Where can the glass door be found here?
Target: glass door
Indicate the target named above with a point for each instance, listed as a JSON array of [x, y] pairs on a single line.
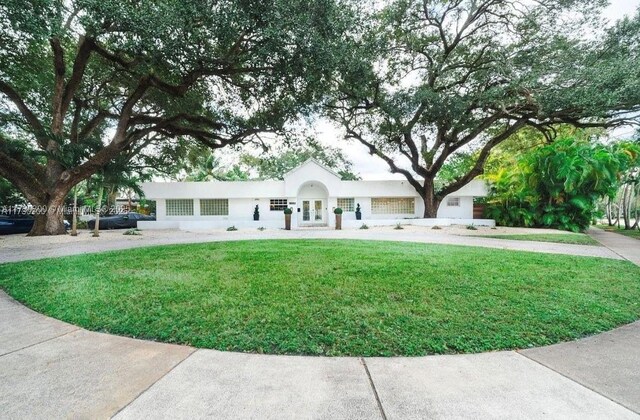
[[318, 211], [306, 216]]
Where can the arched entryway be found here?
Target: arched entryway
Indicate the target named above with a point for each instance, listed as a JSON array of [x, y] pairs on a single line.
[[312, 204]]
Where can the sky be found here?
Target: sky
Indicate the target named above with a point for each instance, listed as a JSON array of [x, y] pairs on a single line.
[[371, 167]]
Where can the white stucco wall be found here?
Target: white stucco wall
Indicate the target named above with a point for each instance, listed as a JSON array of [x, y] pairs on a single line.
[[309, 181]]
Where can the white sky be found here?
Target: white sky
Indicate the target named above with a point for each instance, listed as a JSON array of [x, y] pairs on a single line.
[[371, 167]]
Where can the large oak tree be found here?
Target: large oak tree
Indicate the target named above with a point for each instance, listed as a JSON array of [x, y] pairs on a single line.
[[433, 79], [84, 81]]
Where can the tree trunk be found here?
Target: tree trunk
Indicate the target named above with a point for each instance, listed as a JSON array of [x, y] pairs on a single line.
[[49, 218], [74, 216], [430, 199], [96, 228], [626, 207]]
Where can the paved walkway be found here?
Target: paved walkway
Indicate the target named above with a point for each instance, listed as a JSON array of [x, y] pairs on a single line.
[[36, 248], [50, 369], [627, 248]]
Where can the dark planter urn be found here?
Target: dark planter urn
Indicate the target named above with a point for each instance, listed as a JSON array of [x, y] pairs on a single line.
[[358, 213], [287, 221], [287, 218], [256, 214]]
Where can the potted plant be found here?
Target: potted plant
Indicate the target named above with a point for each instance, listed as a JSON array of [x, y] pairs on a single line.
[[287, 218], [338, 212], [256, 214], [358, 213]]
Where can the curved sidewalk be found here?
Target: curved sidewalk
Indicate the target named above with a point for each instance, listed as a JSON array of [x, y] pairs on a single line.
[[43, 247], [50, 369]]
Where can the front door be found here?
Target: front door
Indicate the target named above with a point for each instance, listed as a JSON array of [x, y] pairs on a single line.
[[313, 211]]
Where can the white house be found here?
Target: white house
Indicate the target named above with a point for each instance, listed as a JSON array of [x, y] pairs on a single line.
[[312, 191]]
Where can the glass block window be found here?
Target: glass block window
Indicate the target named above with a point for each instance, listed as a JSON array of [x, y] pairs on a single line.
[[393, 205], [214, 207], [453, 202], [277, 204], [347, 204], [179, 207]]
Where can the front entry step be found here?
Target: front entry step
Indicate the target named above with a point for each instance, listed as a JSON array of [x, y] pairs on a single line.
[[313, 225]]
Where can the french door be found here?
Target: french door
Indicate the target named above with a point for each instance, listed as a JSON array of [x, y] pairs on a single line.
[[312, 211]]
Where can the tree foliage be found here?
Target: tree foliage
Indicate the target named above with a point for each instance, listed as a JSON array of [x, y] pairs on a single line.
[[83, 81], [558, 185], [436, 81], [275, 164]]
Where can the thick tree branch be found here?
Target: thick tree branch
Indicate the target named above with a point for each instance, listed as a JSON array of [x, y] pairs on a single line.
[[373, 150], [29, 116], [85, 46], [58, 88], [478, 167]]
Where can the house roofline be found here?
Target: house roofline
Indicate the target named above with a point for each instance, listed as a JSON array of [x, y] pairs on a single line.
[[332, 172]]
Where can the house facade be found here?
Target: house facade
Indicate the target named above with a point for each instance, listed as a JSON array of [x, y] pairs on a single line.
[[312, 191]]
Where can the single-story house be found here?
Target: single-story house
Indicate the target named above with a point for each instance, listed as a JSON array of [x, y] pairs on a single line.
[[312, 191]]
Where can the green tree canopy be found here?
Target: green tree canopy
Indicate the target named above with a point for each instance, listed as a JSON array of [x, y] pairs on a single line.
[[432, 80], [82, 81]]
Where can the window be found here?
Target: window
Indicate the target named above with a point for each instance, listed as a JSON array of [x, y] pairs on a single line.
[[347, 204], [393, 205], [453, 202], [179, 207], [214, 207], [277, 204]]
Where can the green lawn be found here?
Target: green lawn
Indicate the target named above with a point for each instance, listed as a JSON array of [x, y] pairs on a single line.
[[562, 238], [333, 297], [635, 233]]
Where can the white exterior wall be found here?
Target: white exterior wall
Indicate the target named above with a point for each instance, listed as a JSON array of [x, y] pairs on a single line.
[[309, 181], [464, 211]]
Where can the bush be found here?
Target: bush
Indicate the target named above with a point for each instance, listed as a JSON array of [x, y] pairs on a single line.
[[337, 210], [261, 228], [231, 228], [398, 226], [364, 226], [436, 227], [288, 210], [133, 231], [558, 185], [471, 227]]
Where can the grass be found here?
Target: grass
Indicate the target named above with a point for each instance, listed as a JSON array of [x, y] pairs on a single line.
[[561, 238], [635, 233], [324, 297]]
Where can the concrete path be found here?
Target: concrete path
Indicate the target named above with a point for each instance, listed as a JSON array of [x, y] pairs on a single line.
[[627, 248], [49, 369], [36, 248]]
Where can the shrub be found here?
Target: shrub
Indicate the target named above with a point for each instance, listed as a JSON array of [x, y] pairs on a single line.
[[261, 228], [471, 227], [557, 185], [337, 210], [436, 227], [288, 210], [364, 226], [398, 226], [231, 228], [132, 231]]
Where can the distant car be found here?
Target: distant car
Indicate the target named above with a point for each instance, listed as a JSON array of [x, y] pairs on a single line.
[[11, 224], [120, 221]]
